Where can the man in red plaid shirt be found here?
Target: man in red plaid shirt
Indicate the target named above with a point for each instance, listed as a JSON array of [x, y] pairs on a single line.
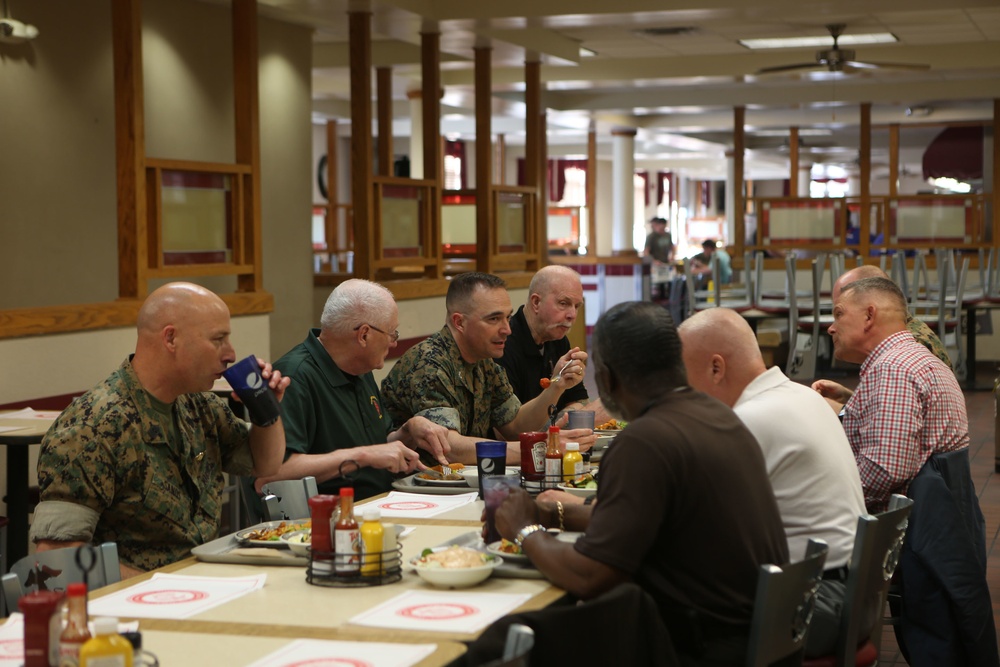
[[908, 404]]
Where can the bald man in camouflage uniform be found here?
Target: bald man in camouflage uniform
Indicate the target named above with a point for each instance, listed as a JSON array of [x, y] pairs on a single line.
[[138, 460]]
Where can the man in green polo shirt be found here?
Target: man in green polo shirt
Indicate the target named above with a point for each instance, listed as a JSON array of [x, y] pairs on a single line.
[[334, 420]]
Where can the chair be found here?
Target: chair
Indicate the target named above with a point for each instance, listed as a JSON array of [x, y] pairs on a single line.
[[578, 633], [520, 641], [738, 298], [55, 569], [288, 498], [877, 548], [941, 307], [804, 334], [783, 607]]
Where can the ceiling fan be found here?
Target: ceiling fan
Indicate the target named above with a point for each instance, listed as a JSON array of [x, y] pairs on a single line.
[[836, 59]]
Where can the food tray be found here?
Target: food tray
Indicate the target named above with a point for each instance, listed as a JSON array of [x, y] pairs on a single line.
[[227, 549], [320, 570], [409, 485]]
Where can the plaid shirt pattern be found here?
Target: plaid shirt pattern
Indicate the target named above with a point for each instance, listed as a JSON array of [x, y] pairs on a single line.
[[907, 407]]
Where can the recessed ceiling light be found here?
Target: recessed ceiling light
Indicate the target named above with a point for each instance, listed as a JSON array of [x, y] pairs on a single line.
[[587, 53], [825, 40]]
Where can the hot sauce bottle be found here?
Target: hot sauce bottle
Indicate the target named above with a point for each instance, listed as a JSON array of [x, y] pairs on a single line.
[[553, 460], [347, 537]]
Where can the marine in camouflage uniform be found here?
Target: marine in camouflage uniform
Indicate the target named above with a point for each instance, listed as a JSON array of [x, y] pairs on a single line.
[[115, 467], [923, 335], [433, 381]]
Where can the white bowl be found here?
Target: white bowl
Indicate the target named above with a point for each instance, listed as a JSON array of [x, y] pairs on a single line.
[[456, 577], [582, 493], [298, 541]]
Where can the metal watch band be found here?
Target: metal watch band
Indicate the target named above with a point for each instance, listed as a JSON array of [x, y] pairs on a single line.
[[523, 534]]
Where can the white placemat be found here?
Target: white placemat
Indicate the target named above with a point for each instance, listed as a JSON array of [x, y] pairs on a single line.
[[174, 596], [441, 611], [327, 652], [417, 505], [12, 641], [28, 413]]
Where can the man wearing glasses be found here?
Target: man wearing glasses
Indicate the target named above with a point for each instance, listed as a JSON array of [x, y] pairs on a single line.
[[335, 422]]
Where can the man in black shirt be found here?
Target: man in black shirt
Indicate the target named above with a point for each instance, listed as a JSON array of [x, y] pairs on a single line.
[[538, 338]]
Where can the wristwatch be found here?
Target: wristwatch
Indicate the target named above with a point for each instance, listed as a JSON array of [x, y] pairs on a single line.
[[523, 534]]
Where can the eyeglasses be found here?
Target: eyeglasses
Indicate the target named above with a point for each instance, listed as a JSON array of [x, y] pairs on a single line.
[[394, 336]]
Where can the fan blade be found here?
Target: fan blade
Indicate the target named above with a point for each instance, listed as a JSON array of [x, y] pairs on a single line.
[[790, 68], [857, 64]]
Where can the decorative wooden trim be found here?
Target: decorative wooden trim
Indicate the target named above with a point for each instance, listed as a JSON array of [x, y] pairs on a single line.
[[359, 24], [793, 161], [194, 165], [49, 320], [591, 191], [383, 79], [486, 226], [865, 165], [893, 159], [246, 64], [130, 146]]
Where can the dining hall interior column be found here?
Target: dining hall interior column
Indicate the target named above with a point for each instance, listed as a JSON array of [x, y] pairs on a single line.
[[416, 133], [359, 23], [486, 233], [534, 148], [735, 227], [623, 191]]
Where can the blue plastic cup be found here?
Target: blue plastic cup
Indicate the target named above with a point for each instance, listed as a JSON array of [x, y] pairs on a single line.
[[245, 379], [491, 460]]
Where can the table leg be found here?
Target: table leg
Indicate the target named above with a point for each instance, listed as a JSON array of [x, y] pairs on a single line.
[[17, 503], [970, 348]]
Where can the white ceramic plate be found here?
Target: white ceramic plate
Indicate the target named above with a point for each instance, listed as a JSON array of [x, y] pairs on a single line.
[[243, 538], [417, 479], [494, 548], [582, 493]]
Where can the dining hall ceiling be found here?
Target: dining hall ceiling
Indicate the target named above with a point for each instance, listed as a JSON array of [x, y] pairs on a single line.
[[674, 70]]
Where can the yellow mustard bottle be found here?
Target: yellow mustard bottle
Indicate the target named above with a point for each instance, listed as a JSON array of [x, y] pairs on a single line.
[[572, 462], [372, 542], [107, 648]]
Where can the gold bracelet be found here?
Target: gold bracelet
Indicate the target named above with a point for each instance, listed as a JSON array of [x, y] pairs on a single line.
[[562, 515]]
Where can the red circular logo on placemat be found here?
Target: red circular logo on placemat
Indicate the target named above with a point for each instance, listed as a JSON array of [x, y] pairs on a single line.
[[167, 597], [440, 611], [330, 662], [409, 505], [13, 648]]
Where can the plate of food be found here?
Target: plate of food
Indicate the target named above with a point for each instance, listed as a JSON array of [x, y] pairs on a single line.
[[610, 427], [268, 534], [583, 485], [508, 551], [454, 566], [442, 476]]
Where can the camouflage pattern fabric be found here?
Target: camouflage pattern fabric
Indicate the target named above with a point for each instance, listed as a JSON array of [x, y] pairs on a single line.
[[923, 335], [109, 451], [432, 380]]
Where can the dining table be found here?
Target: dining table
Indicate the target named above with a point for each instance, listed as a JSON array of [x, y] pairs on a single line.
[[19, 430], [287, 607]]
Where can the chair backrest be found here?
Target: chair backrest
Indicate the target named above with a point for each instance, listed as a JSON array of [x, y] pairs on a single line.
[[55, 569], [783, 606], [877, 548], [517, 648], [288, 498]]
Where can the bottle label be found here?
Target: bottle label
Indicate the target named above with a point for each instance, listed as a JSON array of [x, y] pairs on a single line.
[[106, 661], [538, 455], [347, 547], [553, 472], [69, 654]]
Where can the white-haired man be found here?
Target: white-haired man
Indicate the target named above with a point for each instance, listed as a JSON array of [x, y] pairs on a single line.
[[334, 417]]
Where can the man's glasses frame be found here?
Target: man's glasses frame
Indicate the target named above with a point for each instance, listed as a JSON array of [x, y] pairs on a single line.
[[394, 336]]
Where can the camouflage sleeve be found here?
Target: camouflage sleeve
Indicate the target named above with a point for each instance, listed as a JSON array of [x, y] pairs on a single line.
[[233, 436], [63, 522], [76, 462], [504, 404], [432, 395]]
